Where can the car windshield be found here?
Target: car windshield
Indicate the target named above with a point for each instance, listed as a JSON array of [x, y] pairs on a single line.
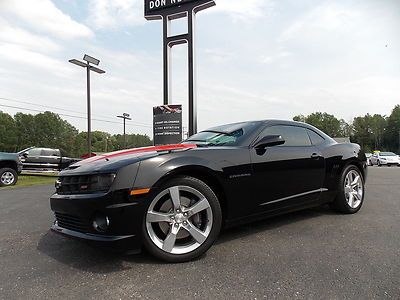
[[24, 150], [387, 154], [227, 135]]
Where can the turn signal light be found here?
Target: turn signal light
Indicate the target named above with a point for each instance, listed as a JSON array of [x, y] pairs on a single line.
[[139, 192]]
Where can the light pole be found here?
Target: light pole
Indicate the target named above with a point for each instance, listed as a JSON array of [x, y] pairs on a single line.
[[125, 116], [89, 60]]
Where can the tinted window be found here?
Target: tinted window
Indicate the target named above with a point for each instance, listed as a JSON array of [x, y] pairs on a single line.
[[49, 152], [316, 139], [34, 152], [227, 135], [293, 135]]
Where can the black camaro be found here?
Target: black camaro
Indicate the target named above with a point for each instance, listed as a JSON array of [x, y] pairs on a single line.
[[174, 199]]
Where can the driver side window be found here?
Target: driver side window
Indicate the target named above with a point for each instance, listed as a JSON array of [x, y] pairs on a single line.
[[294, 136]]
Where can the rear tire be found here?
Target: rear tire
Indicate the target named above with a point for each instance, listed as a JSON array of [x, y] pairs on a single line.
[[182, 220], [8, 177], [351, 189]]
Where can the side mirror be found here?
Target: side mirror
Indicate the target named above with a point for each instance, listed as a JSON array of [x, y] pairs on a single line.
[[25, 154], [269, 141]]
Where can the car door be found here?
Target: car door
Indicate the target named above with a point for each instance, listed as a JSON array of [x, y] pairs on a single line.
[[50, 158], [32, 160], [287, 175]]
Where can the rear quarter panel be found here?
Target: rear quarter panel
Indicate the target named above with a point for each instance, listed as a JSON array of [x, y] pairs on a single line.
[[337, 157]]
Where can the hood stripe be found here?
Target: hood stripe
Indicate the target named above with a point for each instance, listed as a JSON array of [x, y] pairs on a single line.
[[141, 150]]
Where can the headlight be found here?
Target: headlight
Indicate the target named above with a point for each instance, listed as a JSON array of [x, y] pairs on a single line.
[[100, 182], [84, 183], [382, 158]]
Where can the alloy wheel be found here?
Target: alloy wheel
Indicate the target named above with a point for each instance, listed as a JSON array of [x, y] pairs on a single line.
[[7, 178], [353, 189], [179, 220]]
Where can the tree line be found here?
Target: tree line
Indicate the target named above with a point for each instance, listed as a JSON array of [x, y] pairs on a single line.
[[372, 132], [50, 131]]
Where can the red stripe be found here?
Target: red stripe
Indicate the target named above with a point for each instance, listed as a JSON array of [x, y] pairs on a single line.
[[141, 150]]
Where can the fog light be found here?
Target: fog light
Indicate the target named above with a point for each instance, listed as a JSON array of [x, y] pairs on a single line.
[[101, 223]]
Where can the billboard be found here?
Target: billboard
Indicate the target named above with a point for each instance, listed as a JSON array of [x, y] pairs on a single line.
[[167, 124]]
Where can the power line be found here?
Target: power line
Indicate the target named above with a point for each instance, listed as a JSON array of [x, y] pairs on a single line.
[[68, 110], [72, 116]]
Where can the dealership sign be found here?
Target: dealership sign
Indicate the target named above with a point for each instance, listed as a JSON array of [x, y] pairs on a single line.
[[167, 124], [156, 9], [168, 10]]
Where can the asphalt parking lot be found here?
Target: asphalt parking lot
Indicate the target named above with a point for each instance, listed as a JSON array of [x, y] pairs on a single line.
[[313, 254]]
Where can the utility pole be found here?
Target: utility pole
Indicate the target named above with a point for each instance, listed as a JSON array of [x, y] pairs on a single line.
[[125, 116], [89, 60]]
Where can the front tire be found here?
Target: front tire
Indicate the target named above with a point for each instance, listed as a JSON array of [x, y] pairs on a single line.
[[8, 177], [182, 221], [350, 191]]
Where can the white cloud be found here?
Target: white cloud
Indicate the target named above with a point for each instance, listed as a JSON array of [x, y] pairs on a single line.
[[243, 10], [111, 14], [270, 59], [18, 36], [44, 16], [323, 20]]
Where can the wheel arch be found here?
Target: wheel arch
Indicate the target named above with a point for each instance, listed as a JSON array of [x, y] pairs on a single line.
[[9, 164], [355, 162], [204, 174]]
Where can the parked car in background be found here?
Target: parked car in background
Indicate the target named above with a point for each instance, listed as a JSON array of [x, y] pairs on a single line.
[[44, 159], [385, 158], [10, 167], [368, 156]]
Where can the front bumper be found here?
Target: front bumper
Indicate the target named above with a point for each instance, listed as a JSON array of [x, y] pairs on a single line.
[[75, 215]]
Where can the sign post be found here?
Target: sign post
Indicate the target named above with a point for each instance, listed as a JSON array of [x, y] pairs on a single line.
[[168, 10]]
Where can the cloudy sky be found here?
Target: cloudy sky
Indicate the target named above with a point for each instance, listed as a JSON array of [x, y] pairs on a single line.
[[257, 59]]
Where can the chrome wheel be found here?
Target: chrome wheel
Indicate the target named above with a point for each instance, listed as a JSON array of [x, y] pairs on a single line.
[[179, 220], [353, 189], [7, 178]]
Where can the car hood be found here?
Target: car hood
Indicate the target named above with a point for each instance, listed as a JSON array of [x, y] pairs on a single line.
[[113, 161], [11, 156]]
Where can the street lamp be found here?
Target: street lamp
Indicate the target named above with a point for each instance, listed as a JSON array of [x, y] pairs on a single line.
[[125, 116], [89, 60]]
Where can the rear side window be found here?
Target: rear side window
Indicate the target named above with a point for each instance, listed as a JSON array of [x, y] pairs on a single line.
[[315, 138], [48, 152], [293, 135]]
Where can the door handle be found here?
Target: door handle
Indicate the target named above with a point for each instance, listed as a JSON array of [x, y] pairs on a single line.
[[315, 155]]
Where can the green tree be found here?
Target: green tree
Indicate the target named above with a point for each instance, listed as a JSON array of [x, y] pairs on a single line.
[[325, 122], [53, 132], [26, 135], [392, 134], [132, 141], [8, 133]]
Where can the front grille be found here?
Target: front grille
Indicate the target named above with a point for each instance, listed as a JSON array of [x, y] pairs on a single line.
[[73, 184], [72, 222]]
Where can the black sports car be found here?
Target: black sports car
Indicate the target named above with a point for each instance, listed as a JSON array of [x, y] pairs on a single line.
[[174, 199]]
